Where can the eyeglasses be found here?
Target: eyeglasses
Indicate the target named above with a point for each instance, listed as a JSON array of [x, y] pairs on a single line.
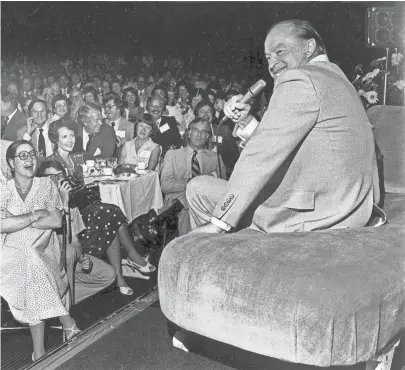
[[110, 106], [24, 155], [56, 177], [62, 105]]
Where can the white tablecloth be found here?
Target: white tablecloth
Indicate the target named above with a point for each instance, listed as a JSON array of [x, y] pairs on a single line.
[[135, 197]]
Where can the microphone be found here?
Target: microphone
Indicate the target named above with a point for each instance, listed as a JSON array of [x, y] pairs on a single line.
[[253, 91]]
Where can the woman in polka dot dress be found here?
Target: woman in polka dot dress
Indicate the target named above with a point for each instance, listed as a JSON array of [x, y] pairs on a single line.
[[32, 278], [106, 226]]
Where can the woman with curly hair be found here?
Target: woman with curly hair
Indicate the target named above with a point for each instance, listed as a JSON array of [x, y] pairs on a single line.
[[133, 111]]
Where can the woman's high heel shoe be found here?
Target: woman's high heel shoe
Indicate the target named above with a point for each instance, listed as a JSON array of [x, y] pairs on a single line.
[[126, 290], [147, 269], [71, 332]]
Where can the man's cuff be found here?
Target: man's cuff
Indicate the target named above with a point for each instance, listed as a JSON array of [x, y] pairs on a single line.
[[220, 224], [27, 136], [245, 133]]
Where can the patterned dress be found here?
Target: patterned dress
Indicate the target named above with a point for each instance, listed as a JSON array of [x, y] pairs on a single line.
[[32, 278], [102, 220]]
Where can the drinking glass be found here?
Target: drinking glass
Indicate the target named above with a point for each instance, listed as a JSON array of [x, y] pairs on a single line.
[[112, 162]]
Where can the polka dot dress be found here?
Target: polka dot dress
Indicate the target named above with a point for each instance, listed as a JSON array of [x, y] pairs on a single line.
[[32, 278], [102, 223]]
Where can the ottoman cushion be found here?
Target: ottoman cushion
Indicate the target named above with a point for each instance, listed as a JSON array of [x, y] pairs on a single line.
[[323, 298]]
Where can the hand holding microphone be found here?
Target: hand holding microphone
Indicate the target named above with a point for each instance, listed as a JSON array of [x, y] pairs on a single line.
[[237, 108]]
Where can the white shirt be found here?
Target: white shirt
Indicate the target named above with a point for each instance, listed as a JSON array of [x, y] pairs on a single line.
[[86, 138], [11, 116], [48, 144]]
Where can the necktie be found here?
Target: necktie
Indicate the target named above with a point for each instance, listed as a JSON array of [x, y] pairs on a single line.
[[113, 124], [88, 143], [41, 142], [195, 165], [3, 126]]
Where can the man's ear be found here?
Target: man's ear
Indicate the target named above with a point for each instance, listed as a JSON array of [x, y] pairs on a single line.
[[311, 47]]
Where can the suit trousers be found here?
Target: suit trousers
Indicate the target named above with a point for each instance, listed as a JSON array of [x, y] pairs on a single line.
[[203, 193], [84, 285]]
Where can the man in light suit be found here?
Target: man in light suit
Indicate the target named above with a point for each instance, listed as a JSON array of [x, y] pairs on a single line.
[[11, 118], [177, 169], [310, 164]]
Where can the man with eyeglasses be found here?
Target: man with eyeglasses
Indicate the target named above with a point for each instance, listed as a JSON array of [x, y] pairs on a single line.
[[36, 128], [123, 129], [11, 118], [181, 165], [168, 134]]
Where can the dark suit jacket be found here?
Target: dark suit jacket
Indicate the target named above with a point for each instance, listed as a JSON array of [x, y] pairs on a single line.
[[18, 121], [105, 140], [170, 137]]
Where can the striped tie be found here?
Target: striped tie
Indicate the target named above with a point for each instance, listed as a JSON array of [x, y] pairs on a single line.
[[195, 166]]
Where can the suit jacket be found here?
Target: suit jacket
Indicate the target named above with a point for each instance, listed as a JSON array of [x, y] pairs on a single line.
[[170, 137], [128, 127], [18, 121], [105, 141], [176, 171], [310, 164]]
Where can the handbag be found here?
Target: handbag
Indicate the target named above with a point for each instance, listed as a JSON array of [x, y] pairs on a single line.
[[82, 196]]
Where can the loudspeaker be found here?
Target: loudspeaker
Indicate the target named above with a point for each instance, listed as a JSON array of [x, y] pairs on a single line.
[[384, 27]]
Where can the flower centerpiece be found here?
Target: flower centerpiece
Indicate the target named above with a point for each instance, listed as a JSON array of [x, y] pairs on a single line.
[[370, 85]]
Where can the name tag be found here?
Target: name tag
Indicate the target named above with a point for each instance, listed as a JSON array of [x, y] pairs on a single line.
[[214, 139], [164, 128], [120, 133]]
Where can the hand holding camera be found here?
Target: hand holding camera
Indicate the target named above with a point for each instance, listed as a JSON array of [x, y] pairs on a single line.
[[64, 187]]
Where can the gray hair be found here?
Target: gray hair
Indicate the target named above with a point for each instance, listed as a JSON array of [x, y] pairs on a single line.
[[304, 30]]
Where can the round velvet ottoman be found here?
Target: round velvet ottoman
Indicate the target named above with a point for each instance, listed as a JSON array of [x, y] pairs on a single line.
[[319, 298]]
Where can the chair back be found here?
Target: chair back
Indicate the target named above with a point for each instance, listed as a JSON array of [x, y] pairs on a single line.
[[389, 130]]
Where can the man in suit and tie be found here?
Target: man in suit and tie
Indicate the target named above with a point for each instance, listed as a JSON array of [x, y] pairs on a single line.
[[11, 118], [168, 134], [142, 93], [94, 138], [123, 128], [27, 92], [37, 127], [310, 164], [64, 86], [181, 165]]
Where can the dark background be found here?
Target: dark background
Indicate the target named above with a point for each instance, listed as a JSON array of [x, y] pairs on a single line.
[[214, 33]]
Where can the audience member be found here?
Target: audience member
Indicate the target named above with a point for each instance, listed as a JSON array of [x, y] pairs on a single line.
[[221, 139], [94, 138], [106, 226], [168, 135], [36, 128], [142, 148], [133, 111], [181, 165], [32, 282], [12, 119], [87, 274], [60, 107]]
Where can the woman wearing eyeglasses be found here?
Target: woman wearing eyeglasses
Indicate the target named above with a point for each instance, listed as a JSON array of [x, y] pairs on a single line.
[[32, 279], [60, 107], [106, 226]]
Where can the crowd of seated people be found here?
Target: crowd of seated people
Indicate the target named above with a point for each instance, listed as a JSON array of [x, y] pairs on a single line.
[[164, 117]]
